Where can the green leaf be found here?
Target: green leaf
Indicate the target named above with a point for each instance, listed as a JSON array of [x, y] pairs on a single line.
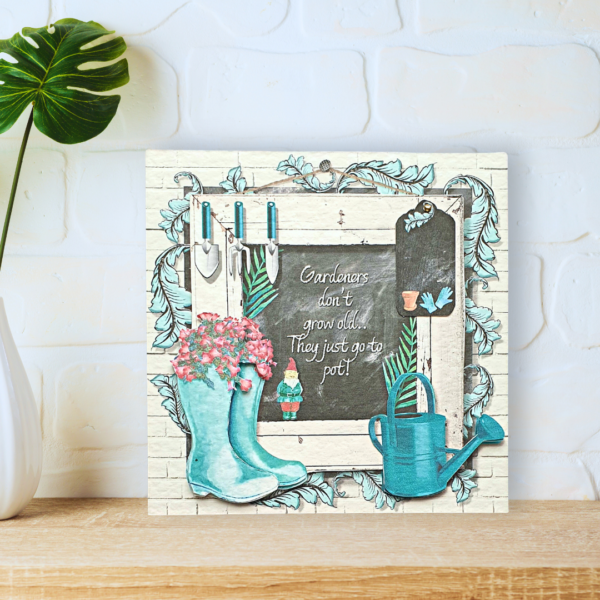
[[258, 292], [405, 404], [260, 297], [403, 361], [257, 310], [52, 78]]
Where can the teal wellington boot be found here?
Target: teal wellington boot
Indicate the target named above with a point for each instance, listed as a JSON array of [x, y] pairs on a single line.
[[212, 466], [242, 433]]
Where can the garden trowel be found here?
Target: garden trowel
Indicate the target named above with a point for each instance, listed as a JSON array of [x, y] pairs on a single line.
[[237, 248], [272, 254], [206, 255]]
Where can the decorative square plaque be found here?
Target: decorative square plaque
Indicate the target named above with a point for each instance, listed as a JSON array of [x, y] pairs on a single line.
[[327, 332]]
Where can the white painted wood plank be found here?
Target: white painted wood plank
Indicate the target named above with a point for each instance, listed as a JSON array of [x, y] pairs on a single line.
[[325, 452], [424, 362], [447, 351], [313, 212], [298, 227], [302, 428]]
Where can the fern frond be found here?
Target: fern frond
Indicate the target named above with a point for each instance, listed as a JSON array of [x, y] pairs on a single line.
[[257, 291]]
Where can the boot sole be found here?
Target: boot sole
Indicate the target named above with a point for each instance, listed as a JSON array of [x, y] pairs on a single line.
[[204, 491], [289, 486]]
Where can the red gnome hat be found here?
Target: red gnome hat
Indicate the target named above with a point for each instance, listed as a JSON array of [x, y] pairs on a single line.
[[292, 365]]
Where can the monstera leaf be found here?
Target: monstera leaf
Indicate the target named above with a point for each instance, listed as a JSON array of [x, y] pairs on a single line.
[[53, 75]]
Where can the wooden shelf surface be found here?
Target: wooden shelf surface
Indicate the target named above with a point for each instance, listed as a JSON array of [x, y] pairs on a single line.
[[72, 548]]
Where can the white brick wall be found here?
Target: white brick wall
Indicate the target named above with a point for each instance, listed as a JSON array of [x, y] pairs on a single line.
[[383, 76]]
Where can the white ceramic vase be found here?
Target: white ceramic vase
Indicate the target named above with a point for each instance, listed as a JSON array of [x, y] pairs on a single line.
[[20, 429]]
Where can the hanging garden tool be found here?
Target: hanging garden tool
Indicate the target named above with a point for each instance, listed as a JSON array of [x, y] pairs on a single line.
[[206, 255], [272, 248], [237, 247]]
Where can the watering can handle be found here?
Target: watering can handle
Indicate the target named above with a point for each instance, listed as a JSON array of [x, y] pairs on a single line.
[[391, 404], [372, 433]]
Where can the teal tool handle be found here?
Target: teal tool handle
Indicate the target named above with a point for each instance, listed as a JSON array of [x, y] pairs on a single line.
[[271, 221], [206, 224], [372, 433], [239, 220], [391, 403]]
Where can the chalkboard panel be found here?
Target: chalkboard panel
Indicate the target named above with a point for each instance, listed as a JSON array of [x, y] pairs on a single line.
[[425, 262], [336, 316]]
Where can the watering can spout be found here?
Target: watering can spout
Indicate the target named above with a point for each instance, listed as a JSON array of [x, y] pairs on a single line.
[[487, 431]]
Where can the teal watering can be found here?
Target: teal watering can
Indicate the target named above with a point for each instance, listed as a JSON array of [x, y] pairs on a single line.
[[414, 445]]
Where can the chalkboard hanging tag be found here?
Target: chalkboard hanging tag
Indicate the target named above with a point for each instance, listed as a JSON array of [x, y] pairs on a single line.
[[238, 249], [425, 262], [272, 249]]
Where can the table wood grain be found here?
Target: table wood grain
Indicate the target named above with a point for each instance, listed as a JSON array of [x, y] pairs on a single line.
[[110, 548]]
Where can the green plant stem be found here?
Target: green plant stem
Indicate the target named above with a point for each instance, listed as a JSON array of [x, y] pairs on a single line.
[[13, 191]]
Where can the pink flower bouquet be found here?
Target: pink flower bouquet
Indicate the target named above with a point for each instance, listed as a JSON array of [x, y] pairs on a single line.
[[223, 344]]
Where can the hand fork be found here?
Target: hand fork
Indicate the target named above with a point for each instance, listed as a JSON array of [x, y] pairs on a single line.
[[238, 248]]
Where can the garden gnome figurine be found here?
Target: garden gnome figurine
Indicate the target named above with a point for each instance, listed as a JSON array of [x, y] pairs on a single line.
[[289, 392]]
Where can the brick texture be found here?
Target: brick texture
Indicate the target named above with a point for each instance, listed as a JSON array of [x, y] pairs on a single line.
[[525, 16], [351, 19], [39, 211], [471, 93], [241, 82]]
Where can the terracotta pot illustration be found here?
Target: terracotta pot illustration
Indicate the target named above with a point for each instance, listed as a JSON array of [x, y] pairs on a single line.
[[410, 300]]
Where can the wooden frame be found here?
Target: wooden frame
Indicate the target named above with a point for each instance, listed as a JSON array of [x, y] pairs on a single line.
[[342, 220]]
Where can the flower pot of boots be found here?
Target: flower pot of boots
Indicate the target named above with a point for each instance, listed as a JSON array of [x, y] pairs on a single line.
[[242, 433], [213, 466]]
